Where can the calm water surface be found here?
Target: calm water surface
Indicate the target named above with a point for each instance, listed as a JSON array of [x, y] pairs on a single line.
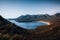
[[29, 25]]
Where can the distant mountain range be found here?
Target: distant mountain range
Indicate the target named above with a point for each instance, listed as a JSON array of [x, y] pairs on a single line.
[[31, 18], [10, 31]]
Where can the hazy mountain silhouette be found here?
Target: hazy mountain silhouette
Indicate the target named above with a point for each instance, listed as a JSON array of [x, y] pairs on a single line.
[[31, 18]]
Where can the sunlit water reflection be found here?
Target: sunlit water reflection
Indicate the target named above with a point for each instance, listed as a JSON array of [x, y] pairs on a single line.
[[29, 25]]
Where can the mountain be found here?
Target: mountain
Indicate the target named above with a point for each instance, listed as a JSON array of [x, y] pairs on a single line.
[[10, 31], [49, 32], [57, 14], [31, 18]]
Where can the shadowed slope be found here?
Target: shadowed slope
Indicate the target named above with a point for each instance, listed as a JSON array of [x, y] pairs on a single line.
[[9, 30]]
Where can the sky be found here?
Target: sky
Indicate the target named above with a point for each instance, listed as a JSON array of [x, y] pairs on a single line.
[[16, 8]]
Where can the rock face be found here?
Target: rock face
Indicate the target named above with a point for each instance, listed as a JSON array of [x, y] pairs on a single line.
[[10, 31]]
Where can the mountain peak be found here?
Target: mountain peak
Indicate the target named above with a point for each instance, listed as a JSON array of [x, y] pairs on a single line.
[[3, 20], [1, 17], [57, 14]]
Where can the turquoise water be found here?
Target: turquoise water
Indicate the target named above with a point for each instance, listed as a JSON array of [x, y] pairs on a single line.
[[28, 25]]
